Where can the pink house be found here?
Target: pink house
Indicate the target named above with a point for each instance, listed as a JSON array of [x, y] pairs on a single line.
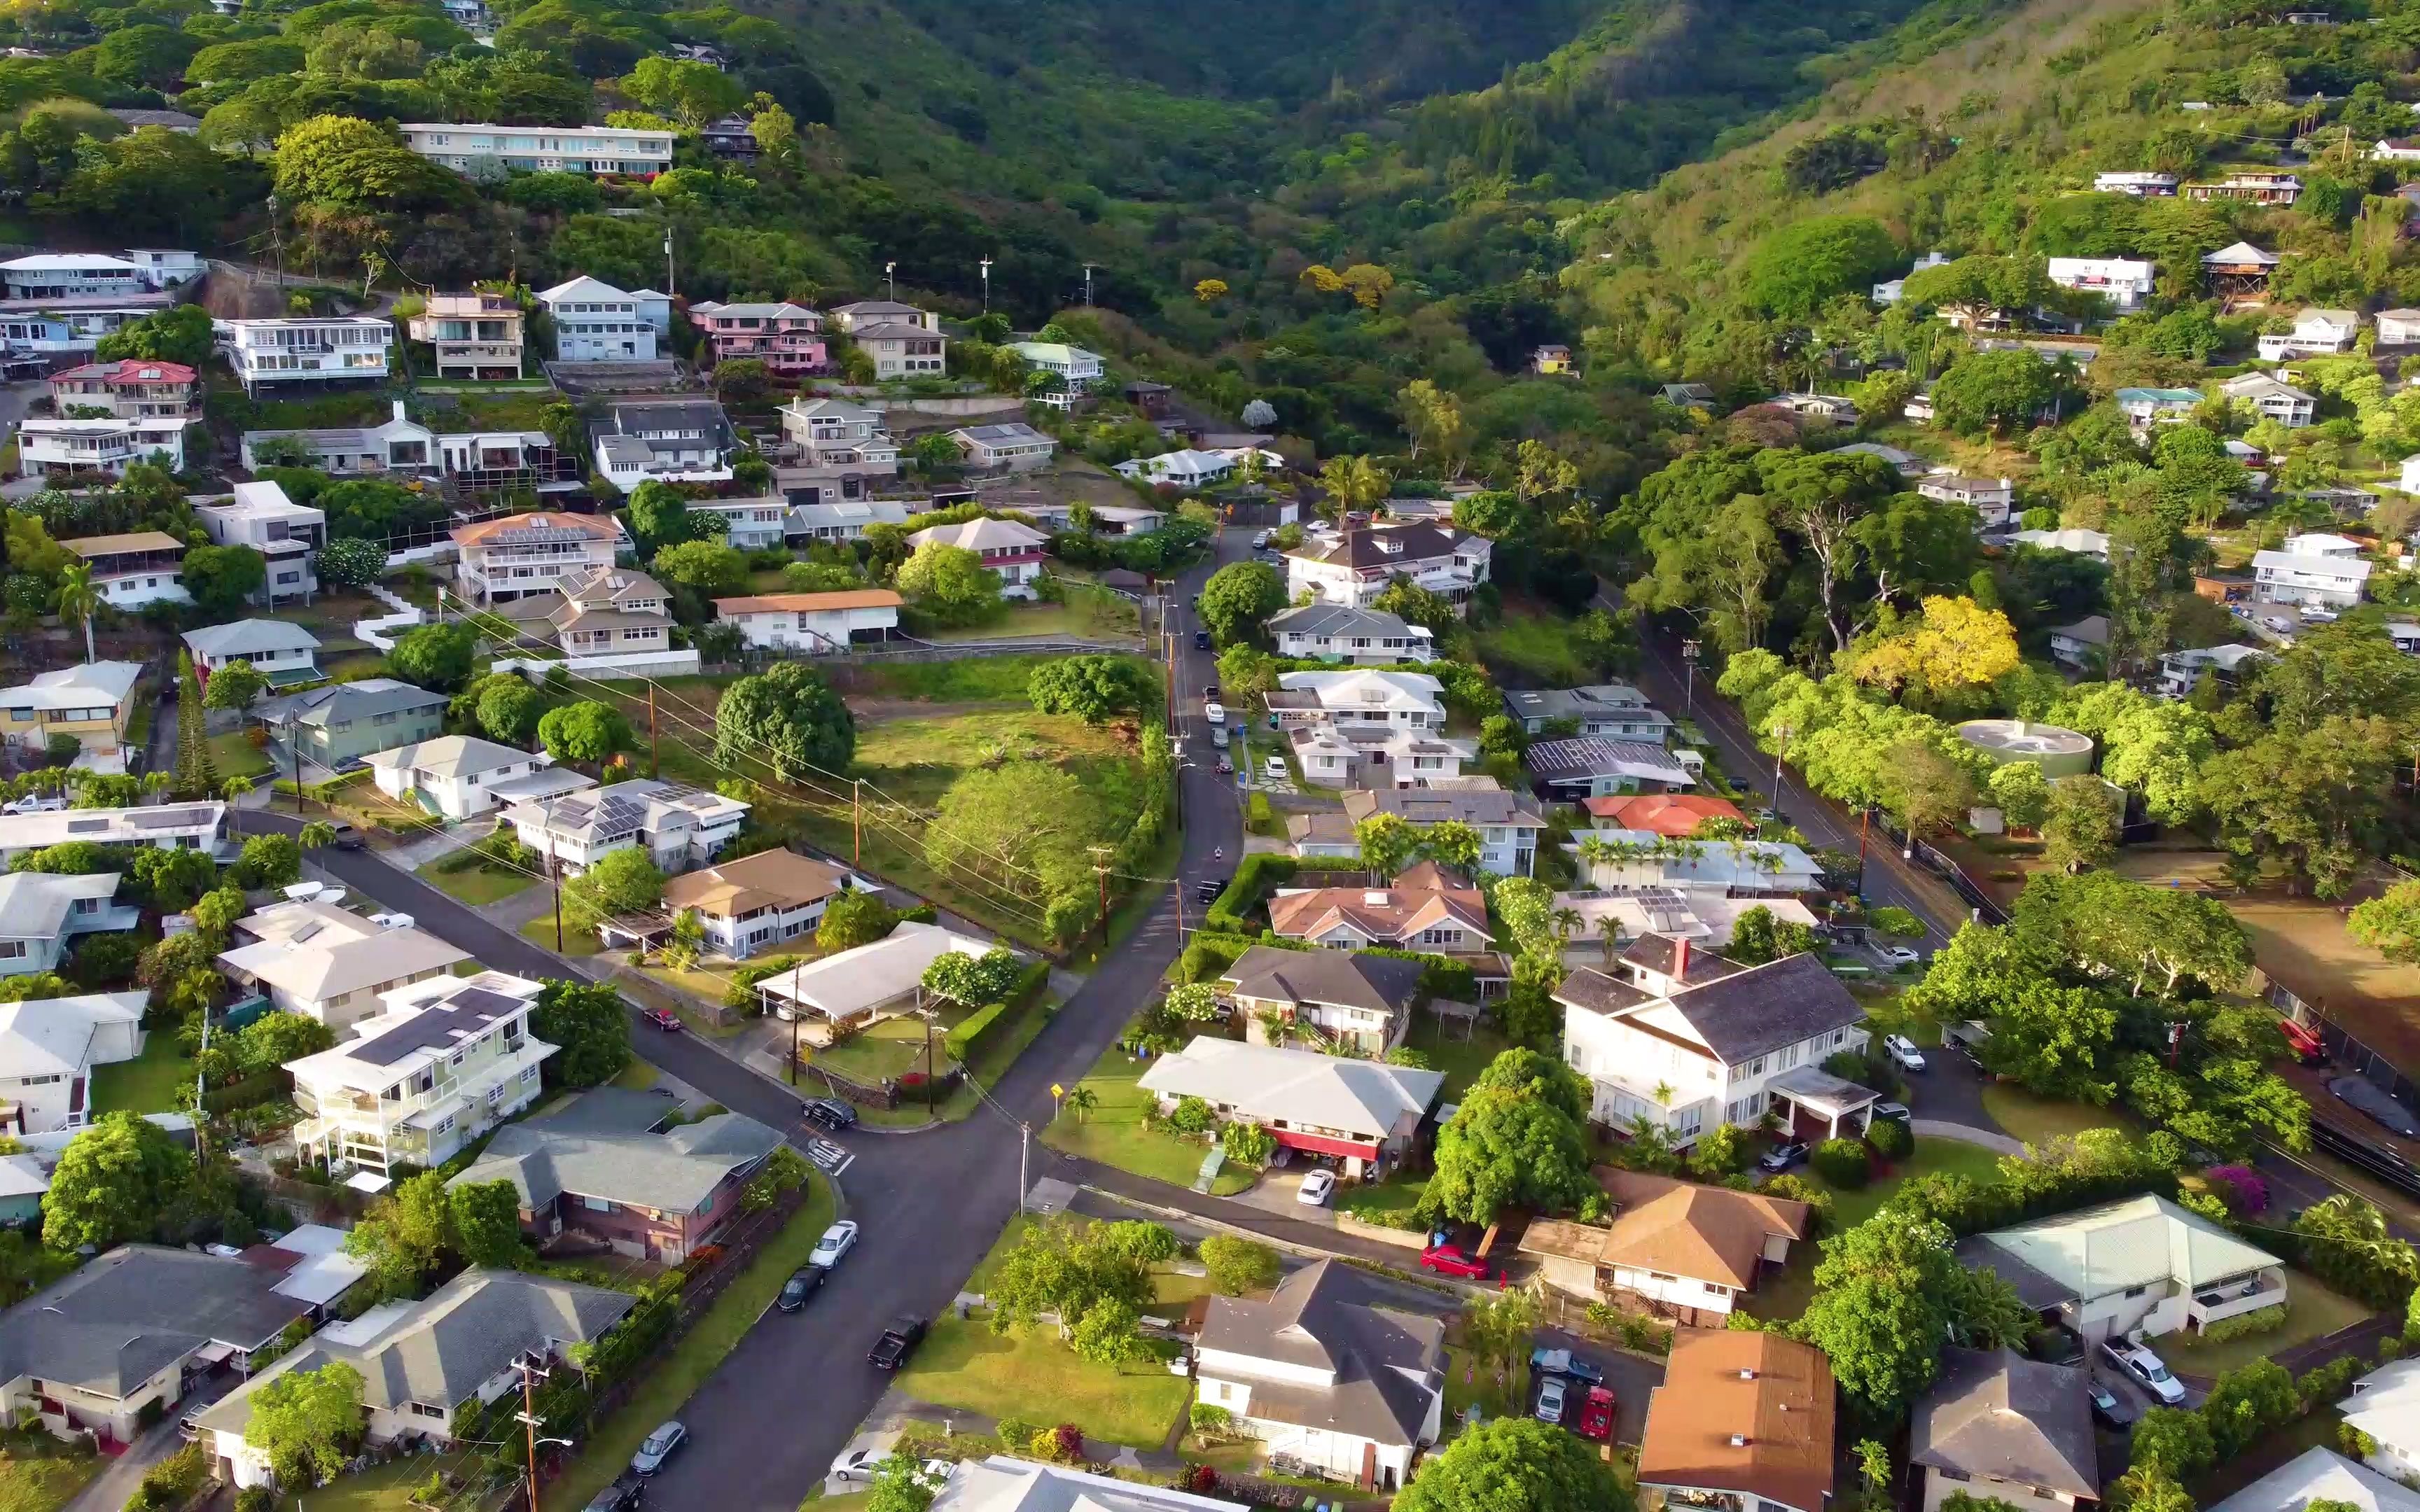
[[787, 338]]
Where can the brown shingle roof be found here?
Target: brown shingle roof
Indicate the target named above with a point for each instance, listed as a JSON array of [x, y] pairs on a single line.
[[592, 526], [1396, 913], [766, 879], [1741, 1411], [1705, 1233]]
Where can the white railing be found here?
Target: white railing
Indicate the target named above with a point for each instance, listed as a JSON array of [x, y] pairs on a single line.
[[624, 664]]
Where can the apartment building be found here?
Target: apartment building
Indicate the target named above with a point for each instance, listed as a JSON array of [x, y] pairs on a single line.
[[596, 322], [89, 704], [519, 555], [787, 338], [130, 389], [590, 149], [277, 353], [814, 623], [476, 336], [285, 533], [667, 441], [134, 569], [328, 965]]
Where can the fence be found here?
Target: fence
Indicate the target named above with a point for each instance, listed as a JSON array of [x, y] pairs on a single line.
[[1987, 908], [627, 664]]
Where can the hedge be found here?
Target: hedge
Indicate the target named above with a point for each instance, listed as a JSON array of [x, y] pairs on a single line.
[[248, 1091], [1209, 956], [741, 991], [980, 1028], [1257, 876]]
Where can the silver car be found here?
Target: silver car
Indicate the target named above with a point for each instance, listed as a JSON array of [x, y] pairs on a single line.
[[658, 1448]]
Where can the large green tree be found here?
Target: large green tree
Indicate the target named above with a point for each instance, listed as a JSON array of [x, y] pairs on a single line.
[[115, 1182], [1881, 1311], [1096, 689], [786, 719], [949, 582], [1239, 598], [1508, 1147], [1513, 1464], [308, 1423], [435, 656], [586, 1020]]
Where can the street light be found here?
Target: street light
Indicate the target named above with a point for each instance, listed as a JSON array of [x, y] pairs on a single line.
[[986, 266]]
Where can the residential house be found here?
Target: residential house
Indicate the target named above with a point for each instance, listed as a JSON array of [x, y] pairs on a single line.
[[1360, 1003], [1012, 550], [1991, 498], [605, 611], [1364, 1114], [280, 650], [2146, 407], [448, 1059], [117, 1344], [815, 623], [901, 340], [749, 524], [1426, 908], [2126, 283], [42, 914], [1907, 464], [1126, 519], [50, 447], [2001, 1426], [338, 723], [2393, 150], [284, 533], [476, 336], [462, 145], [1550, 360], [461, 777], [1690, 396], [2082, 543], [603, 1166], [134, 569], [1895, 289], [1354, 636], [884, 978], [48, 1046], [2406, 636], [2082, 646], [1681, 1249], [76, 275], [1355, 566], [2385, 1408], [1664, 815], [288, 349], [1325, 1372], [1187, 467], [1590, 766], [1076, 368], [2140, 185], [2180, 670], [1339, 756], [1613, 711], [664, 440], [787, 338], [2255, 186], [1624, 859], [395, 444], [733, 136], [2398, 328], [596, 322], [517, 555], [2275, 400], [1382, 725], [2317, 568], [132, 388], [755, 902], [1606, 922], [1507, 825], [90, 703], [839, 519], [835, 452], [1829, 408], [2315, 333], [185, 827], [1014, 446], [1689, 1042], [1743, 1422], [421, 1362], [44, 327], [677, 826], [2141, 1266], [313, 958], [2321, 1475], [1004, 1484]]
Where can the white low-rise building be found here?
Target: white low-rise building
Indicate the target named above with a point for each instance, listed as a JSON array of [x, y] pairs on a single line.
[[2146, 407], [2140, 185], [58, 449], [461, 777], [851, 988], [1893, 290], [48, 1048], [1690, 1250], [465, 146], [814, 623], [43, 914], [1355, 566], [287, 533], [184, 827], [134, 569], [2319, 569], [1351, 636], [397, 445], [753, 904], [328, 965], [2398, 328], [2385, 1406], [2180, 670], [1006, 1484], [279, 650], [1359, 1112], [1617, 859], [664, 440], [2126, 283], [1016, 446], [2315, 333], [1991, 498], [306, 350], [2140, 1266], [2081, 543], [680, 828], [1508, 823], [2273, 398], [1611, 711], [596, 322]]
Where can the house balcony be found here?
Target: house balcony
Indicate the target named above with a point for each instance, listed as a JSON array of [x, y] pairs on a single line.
[[2233, 1299], [103, 920], [483, 352], [1688, 1499]]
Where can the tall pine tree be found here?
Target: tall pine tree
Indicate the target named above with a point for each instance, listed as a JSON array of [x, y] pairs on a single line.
[[197, 776]]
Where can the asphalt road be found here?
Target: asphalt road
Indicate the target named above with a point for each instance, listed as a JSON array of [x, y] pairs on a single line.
[[786, 1402]]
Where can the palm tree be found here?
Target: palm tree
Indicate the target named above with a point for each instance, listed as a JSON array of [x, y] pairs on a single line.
[[1080, 1101], [77, 601], [316, 834], [233, 788], [1609, 930], [157, 782], [1354, 483], [1567, 922]]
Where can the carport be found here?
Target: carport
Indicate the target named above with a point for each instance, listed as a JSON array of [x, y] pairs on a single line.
[[1823, 1105]]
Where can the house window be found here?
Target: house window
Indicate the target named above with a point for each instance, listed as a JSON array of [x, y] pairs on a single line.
[[596, 1204]]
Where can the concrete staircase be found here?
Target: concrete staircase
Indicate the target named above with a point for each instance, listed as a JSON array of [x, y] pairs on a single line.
[[380, 632]]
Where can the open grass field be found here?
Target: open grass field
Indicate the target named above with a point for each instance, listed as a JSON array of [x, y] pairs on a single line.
[[2039, 1121], [477, 885], [43, 1482], [1112, 1131], [234, 756], [1532, 649], [540, 931], [1087, 614], [1786, 1295], [1461, 1059], [146, 1084]]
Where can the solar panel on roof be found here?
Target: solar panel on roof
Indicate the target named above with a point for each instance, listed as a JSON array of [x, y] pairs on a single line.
[[87, 826], [166, 818], [307, 932]]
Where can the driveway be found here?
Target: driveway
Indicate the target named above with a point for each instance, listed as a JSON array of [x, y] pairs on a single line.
[[1629, 1377]]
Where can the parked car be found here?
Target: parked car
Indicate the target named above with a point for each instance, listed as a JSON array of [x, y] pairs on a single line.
[[1451, 1259], [1215, 715], [2136, 1360], [2371, 1100], [1896, 1112], [1274, 768], [662, 1018], [857, 1464], [1781, 1157], [1550, 1399], [838, 1241], [1901, 955], [624, 1495], [1209, 692], [657, 1448], [1547, 1362], [1201, 640], [1225, 766], [1596, 1415], [803, 1283], [1316, 1185], [34, 803], [1903, 1052], [2110, 1408], [1261, 541], [828, 1113], [348, 837], [897, 1342]]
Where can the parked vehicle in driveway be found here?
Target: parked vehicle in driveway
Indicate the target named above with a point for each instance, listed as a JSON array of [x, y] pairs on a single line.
[[349, 837], [2138, 1361], [1903, 1052], [2111, 1410], [1550, 1399], [897, 1342], [1781, 1157], [1546, 1361], [658, 1447], [1316, 1185], [838, 1241], [856, 1464], [1896, 1112], [1451, 1259], [1274, 768], [1901, 955], [1596, 1415]]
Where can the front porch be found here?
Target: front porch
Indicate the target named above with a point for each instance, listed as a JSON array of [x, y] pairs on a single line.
[[2235, 1297], [1815, 1104]]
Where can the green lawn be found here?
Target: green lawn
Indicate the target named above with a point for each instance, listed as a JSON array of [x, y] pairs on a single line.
[[1535, 648], [1465, 1383], [893, 1047], [1786, 1295], [1030, 1374], [2312, 1312], [2039, 1121], [540, 931], [43, 1482], [988, 1068], [148, 1083], [679, 1371], [1112, 1131], [477, 885], [1089, 614], [638, 1076], [234, 756], [1461, 1059], [381, 1488], [138, 719]]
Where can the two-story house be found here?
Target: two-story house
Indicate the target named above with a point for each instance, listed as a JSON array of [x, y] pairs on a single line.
[[787, 338], [814, 623], [132, 388], [2273, 398], [757, 524], [1508, 823], [41, 917], [2141, 1266], [1688, 1042], [49, 1047], [134, 569], [1686, 1250], [2329, 571], [833, 452], [901, 340], [2315, 333], [677, 826], [184, 827], [1353, 636], [461, 777], [604, 1166], [1354, 568], [1014, 446], [2126, 283], [517, 555], [836, 519], [290, 349], [2147, 408], [69, 327], [2140, 185], [666, 440], [1015, 551], [1991, 498], [279, 650], [609, 611], [331, 965], [1358, 1003], [596, 322], [1424, 908], [90, 703], [447, 1059], [1327, 1372], [1366, 728], [1077, 369], [2179, 671], [1624, 859], [395, 444], [61, 449], [635, 152], [340, 722], [755, 903], [72, 275], [1743, 1422], [1594, 767], [476, 336], [2014, 1431], [1609, 711], [285, 533]]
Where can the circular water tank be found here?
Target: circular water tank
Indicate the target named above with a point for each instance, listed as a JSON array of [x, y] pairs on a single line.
[[2059, 752]]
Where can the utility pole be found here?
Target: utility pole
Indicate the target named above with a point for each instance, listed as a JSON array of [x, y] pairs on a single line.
[[856, 831], [1864, 828], [655, 746], [529, 1419], [672, 285], [985, 265], [927, 1017], [1782, 733], [276, 242], [891, 279], [796, 1017], [294, 743], [1689, 695], [554, 876], [1088, 285], [2176, 1040], [1024, 1139], [1101, 871]]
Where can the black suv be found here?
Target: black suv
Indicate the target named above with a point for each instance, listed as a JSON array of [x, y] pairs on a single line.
[[828, 1113]]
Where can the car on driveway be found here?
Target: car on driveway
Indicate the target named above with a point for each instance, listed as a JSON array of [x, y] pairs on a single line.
[[1550, 1399], [662, 1018], [828, 1113], [1452, 1259], [838, 1241], [1903, 1052], [1316, 1185], [1596, 1415], [2111, 1409], [1546, 1361], [1781, 1157], [1901, 955], [1274, 768], [2149, 1369], [857, 1464], [1896, 1112], [804, 1281], [658, 1447]]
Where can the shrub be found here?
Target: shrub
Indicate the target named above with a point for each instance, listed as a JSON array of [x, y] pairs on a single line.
[[1200, 1479], [1843, 1163], [2242, 1188], [1248, 1144], [1899, 921], [1044, 1445], [1016, 1430], [2242, 1324], [1892, 1139], [255, 1499], [1070, 1440], [1235, 1266], [1209, 956], [1191, 1116], [1211, 1421]]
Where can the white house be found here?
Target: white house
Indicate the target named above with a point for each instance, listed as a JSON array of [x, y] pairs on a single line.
[[755, 903], [815, 623], [2318, 568], [1688, 1251], [1367, 729], [2140, 185], [446, 1059], [513, 556], [664, 440], [1891, 292], [464, 145], [1615, 711], [89, 702], [1354, 568], [1076, 368], [1352, 636], [42, 914], [2180, 670], [2316, 1475], [596, 322], [2274, 399], [850, 989], [1325, 1372], [1010, 549], [1340, 756], [48, 1047], [2146, 407], [2398, 328], [677, 826], [317, 960], [459, 777], [134, 569], [395, 444], [1357, 1111], [1345, 1001], [184, 827], [1185, 468], [1594, 767], [1014, 446], [2140, 1264], [2386, 1405], [1506, 824], [748, 524], [2315, 333], [2124, 282], [285, 533], [841, 520], [2082, 543], [306, 348], [1991, 498], [1689, 1042], [50, 326], [607, 611], [51, 447], [279, 650], [2409, 481], [2082, 646], [1004, 1484]]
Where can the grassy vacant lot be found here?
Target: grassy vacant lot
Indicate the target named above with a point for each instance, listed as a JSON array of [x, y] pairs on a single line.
[[1112, 1131], [477, 885], [1461, 1059], [987, 1069], [148, 1083], [41, 1481], [675, 1373], [540, 931], [234, 756], [893, 1047], [1532, 649], [1088, 614], [381, 1488], [2312, 1312], [1030, 1374], [1786, 1295]]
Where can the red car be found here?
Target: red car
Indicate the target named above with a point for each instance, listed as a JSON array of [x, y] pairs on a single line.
[[1596, 1415], [662, 1018], [1451, 1259]]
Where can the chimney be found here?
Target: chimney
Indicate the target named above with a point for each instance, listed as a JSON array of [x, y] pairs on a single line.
[[398, 411], [1680, 974]]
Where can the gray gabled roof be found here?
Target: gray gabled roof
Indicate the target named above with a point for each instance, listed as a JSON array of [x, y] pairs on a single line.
[[131, 1313], [1335, 619], [339, 701], [1993, 1414], [1746, 1013], [1386, 1364], [250, 638], [601, 1146], [1381, 984]]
